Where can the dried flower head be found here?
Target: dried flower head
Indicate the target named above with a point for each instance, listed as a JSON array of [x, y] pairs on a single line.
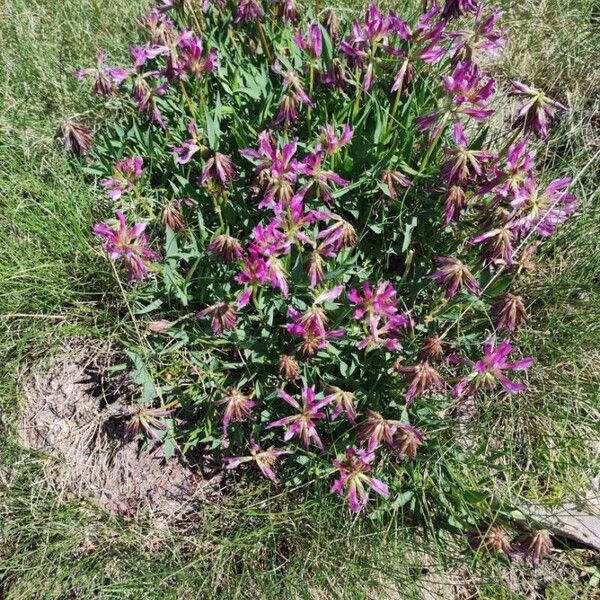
[[406, 441], [289, 367], [75, 136], [509, 312]]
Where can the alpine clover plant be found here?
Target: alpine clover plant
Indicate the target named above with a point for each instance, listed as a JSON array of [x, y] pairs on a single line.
[[325, 228]]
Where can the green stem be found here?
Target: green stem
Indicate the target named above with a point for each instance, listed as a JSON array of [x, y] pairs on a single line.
[[358, 93], [311, 81]]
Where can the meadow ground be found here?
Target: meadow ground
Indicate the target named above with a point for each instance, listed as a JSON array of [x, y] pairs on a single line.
[[54, 285]]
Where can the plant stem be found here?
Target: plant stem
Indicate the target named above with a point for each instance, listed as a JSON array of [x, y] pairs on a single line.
[[263, 40]]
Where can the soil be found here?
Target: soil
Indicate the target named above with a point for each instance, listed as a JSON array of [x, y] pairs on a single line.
[[70, 413]]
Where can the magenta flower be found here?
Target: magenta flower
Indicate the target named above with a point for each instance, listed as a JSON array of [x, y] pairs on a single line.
[[218, 169], [484, 36], [518, 168], [537, 113], [302, 424], [276, 170], [249, 10], [318, 178], [191, 59], [189, 147], [378, 308], [120, 241], [454, 276], [292, 83], [253, 274], [464, 165], [374, 304], [332, 143], [353, 476], [488, 371], [223, 316], [127, 172], [543, 211], [105, 78], [264, 459], [313, 44], [335, 75], [238, 407]]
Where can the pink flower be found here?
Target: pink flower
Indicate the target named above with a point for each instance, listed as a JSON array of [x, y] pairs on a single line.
[[488, 371], [353, 476], [105, 78], [264, 459], [249, 10], [537, 113], [189, 147], [313, 44], [127, 172], [120, 241], [330, 142], [302, 424]]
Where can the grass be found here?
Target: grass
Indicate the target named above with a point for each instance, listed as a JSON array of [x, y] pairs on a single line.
[[53, 284]]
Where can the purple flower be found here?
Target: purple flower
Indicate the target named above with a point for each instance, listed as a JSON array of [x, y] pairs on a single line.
[[287, 11], [312, 168], [302, 424], [353, 476], [378, 308], [191, 58], [223, 316], [406, 441], [313, 44], [313, 325], [75, 136], [249, 10], [482, 36], [189, 147], [518, 168], [464, 164], [253, 273], [218, 169], [145, 419], [120, 241], [335, 75], [332, 143], [238, 407], [105, 78], [454, 276], [498, 244], [543, 211], [455, 203], [537, 113], [264, 459], [128, 170], [276, 170], [457, 8], [488, 371]]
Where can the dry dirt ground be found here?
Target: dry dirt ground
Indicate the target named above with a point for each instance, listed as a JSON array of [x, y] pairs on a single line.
[[69, 413]]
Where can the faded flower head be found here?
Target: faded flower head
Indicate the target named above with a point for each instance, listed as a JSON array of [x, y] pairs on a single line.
[[128, 243], [238, 407], [75, 136]]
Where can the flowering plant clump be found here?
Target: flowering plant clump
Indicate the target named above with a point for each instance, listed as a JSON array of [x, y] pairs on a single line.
[[323, 230]]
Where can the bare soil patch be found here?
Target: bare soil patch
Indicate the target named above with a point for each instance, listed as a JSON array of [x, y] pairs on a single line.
[[71, 414]]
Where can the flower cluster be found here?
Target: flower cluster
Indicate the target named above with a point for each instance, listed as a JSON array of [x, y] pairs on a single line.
[[336, 209]]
